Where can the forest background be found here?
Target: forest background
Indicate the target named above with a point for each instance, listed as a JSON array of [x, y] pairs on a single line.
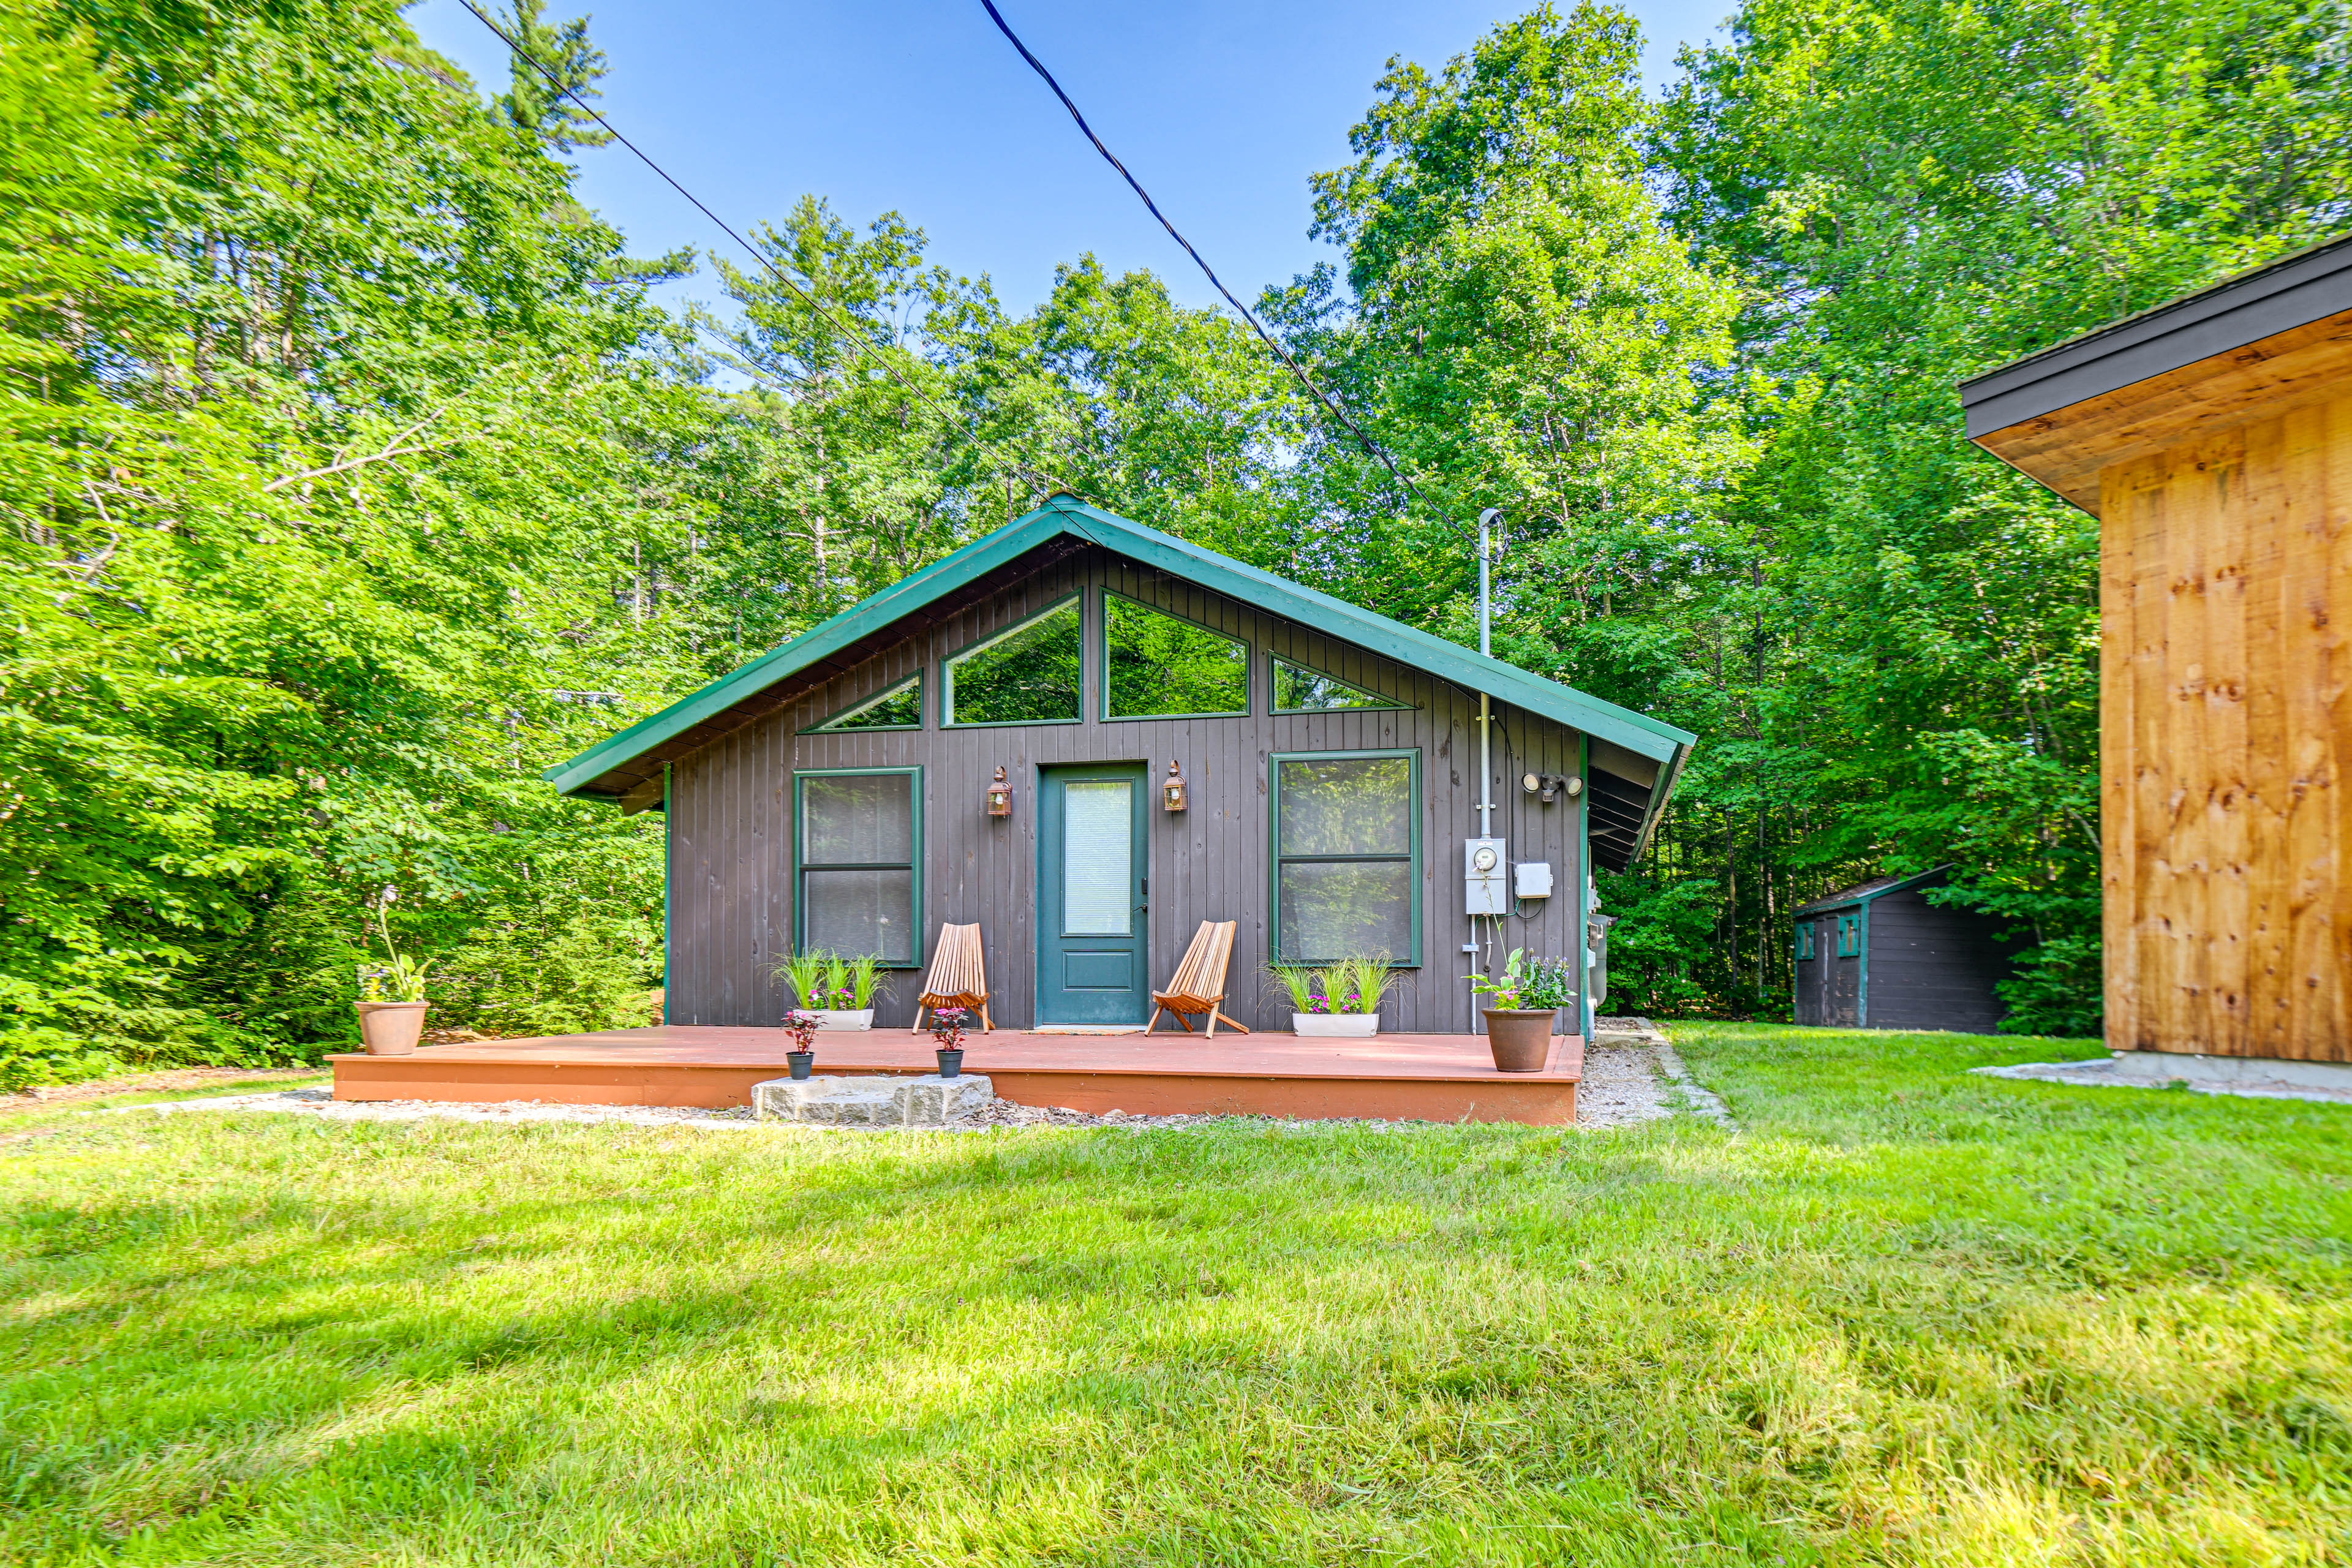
[[351, 477]]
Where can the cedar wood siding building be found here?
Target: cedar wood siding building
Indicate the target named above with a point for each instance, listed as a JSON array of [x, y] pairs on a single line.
[[1880, 956], [2211, 437], [796, 820]]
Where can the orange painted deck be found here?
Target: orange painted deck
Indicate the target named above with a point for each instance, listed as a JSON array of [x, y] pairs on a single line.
[[1435, 1077]]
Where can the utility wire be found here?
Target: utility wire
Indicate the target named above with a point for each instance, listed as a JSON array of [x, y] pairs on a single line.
[[1371, 446], [756, 254]]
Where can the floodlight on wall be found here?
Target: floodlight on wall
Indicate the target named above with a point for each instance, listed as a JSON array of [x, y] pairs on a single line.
[[1549, 787], [1171, 789], [1000, 795]]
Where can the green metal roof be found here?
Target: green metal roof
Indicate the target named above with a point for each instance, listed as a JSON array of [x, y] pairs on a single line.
[[1867, 892], [1066, 516]]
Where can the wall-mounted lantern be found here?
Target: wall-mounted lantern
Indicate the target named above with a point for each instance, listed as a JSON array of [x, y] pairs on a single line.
[[1171, 789], [1000, 795]]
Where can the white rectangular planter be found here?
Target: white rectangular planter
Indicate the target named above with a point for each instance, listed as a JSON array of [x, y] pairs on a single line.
[[1337, 1025], [862, 1020]]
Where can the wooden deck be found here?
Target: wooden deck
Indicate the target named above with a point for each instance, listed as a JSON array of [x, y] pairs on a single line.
[[1437, 1078]]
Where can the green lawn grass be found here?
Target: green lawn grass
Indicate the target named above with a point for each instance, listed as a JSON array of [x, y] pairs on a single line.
[[1904, 1315]]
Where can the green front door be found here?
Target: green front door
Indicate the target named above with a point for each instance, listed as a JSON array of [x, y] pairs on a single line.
[[1091, 879]]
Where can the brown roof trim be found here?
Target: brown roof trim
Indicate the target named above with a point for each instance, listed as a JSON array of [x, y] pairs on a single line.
[[2291, 292]]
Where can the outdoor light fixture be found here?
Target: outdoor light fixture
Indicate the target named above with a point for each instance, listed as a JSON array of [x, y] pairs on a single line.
[[1171, 789], [1000, 795], [1548, 787]]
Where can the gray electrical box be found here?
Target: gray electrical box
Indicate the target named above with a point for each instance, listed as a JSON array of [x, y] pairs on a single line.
[[1485, 877], [1532, 880]]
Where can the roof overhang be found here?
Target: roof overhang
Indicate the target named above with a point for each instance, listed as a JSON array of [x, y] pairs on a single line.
[[628, 759], [2244, 349], [1854, 897]]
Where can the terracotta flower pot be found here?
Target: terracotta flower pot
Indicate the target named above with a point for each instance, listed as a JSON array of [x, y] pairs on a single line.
[[392, 1028], [1520, 1037]]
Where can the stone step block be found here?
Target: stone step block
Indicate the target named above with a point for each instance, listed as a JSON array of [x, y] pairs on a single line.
[[872, 1102]]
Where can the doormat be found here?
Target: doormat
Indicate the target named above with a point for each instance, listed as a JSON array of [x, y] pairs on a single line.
[[1087, 1029]]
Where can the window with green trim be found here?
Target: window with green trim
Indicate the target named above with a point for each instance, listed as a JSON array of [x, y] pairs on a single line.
[[898, 708], [857, 857], [1346, 834], [1159, 666], [1804, 941], [1025, 674], [1849, 936], [1298, 689]]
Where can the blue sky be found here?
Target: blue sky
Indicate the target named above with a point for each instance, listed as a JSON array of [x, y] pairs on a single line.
[[1222, 108]]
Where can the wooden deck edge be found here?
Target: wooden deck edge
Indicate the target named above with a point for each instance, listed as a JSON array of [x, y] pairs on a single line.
[[1539, 1100]]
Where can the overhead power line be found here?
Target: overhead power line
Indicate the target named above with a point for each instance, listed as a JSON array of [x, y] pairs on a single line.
[[872, 349], [1371, 447]]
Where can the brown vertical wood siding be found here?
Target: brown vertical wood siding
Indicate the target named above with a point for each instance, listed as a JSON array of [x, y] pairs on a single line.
[[2225, 598], [730, 805]]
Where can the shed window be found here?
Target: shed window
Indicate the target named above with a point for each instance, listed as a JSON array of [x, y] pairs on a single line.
[[1347, 856], [1849, 936], [1298, 689], [898, 708], [1156, 666], [859, 850], [1026, 674], [1804, 941]]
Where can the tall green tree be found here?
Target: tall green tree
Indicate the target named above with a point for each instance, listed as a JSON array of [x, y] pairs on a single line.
[[1917, 192]]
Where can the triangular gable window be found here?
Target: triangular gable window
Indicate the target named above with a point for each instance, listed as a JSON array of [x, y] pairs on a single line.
[[898, 708], [1298, 689]]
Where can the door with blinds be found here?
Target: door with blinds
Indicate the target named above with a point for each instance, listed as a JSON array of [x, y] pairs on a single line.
[[1092, 879]]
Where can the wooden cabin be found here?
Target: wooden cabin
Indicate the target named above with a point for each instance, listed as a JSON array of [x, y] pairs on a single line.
[[2213, 438], [1880, 956], [836, 794]]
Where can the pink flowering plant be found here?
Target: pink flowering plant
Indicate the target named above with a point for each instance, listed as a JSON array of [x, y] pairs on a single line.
[[802, 1028], [947, 1025]]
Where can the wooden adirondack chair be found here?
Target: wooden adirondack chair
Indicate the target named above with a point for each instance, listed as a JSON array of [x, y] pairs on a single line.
[[959, 977], [1200, 983]]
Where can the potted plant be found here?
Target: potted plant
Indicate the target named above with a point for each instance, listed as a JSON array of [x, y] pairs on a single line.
[[947, 1037], [838, 990], [391, 1002], [1341, 1000], [802, 1028], [1528, 995]]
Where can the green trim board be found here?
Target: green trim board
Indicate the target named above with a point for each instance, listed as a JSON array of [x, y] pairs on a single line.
[[1066, 517], [839, 724], [948, 720], [1101, 643], [1274, 855], [668, 877], [800, 904]]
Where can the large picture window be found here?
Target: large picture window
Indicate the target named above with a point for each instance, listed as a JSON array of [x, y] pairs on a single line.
[[857, 860], [1159, 666], [1347, 856], [1026, 674]]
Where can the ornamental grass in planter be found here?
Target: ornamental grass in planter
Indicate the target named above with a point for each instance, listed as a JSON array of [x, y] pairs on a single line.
[[1339, 1000], [1528, 995], [838, 991]]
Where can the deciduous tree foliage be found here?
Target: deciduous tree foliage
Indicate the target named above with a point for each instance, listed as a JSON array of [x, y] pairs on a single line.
[[350, 479]]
